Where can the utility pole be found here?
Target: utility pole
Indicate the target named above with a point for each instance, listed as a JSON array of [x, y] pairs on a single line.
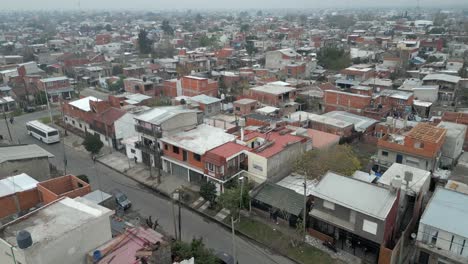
[[174, 218], [241, 196], [234, 254], [7, 125], [180, 216], [304, 221], [48, 104]]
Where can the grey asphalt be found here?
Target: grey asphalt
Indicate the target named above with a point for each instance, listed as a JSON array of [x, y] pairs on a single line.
[[145, 202]]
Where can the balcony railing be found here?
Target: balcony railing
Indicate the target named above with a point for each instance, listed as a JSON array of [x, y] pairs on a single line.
[[152, 149], [148, 131]]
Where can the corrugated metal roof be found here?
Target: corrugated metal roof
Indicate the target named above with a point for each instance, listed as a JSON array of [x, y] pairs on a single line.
[[22, 152], [281, 198], [447, 205], [366, 198], [18, 183]]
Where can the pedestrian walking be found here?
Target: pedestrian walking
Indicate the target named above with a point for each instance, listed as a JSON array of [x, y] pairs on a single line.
[[12, 119]]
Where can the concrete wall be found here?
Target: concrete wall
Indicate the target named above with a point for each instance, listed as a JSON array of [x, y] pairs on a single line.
[[344, 214], [180, 122], [413, 161], [258, 165], [72, 246], [452, 148], [280, 165], [37, 168], [131, 156]]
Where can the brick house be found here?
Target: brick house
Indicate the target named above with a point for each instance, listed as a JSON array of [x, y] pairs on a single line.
[[184, 152], [225, 162], [103, 124], [102, 39], [81, 113], [141, 86], [420, 147], [273, 95], [56, 87], [134, 71], [362, 214], [244, 106], [354, 75], [190, 86], [338, 100]]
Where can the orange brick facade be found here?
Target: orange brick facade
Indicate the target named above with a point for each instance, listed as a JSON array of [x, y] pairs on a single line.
[[336, 100], [191, 86], [168, 150]]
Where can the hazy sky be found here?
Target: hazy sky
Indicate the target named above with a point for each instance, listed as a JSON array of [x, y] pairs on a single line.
[[210, 4]]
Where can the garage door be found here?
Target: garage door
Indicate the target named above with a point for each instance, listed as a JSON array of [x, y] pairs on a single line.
[[196, 177], [179, 171]]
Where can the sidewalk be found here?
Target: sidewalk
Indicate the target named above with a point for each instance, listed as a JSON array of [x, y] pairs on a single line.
[[141, 173]]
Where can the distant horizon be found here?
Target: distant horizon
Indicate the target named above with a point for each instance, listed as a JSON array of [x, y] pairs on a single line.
[[210, 5]]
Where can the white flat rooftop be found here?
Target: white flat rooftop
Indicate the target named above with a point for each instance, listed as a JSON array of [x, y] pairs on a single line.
[[83, 103], [199, 140], [421, 178], [273, 89], [54, 220], [18, 183]]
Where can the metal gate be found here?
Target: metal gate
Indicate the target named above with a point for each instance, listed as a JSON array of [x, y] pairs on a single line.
[[179, 171]]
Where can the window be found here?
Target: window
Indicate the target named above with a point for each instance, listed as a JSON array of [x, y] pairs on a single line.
[[196, 157], [66, 118], [237, 108], [252, 107], [419, 145], [434, 237], [328, 205], [175, 149], [132, 151], [369, 227], [209, 108], [166, 147], [385, 153], [81, 126], [210, 167], [53, 133], [73, 122], [257, 167]]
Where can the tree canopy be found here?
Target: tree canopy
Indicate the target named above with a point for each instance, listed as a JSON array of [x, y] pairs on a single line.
[[92, 143], [144, 43], [315, 163], [167, 28], [208, 191], [196, 249], [334, 58]]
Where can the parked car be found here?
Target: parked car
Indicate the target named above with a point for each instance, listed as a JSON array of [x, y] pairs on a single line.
[[122, 200], [225, 258], [29, 109]]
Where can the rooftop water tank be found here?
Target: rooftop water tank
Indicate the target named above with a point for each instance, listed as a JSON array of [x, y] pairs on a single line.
[[24, 240]]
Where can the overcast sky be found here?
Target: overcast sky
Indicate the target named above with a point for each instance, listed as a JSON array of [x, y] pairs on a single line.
[[210, 4]]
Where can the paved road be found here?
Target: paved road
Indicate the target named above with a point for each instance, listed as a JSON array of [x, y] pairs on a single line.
[[145, 202]]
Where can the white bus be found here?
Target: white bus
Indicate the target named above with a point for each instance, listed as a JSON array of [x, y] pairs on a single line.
[[42, 132]]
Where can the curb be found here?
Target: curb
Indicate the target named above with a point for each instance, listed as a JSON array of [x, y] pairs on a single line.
[[213, 220]]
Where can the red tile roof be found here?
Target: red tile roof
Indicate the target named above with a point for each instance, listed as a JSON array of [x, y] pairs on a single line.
[[279, 142], [110, 115], [228, 149]]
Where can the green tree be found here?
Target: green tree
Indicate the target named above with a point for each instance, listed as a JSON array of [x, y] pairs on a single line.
[[244, 28], [315, 163], [108, 27], [208, 192], [231, 198], [250, 48], [117, 85], [93, 143], [196, 249], [144, 43], [164, 50], [167, 28], [334, 58], [117, 70]]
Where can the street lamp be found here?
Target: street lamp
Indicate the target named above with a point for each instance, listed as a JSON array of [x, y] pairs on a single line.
[[241, 179]]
